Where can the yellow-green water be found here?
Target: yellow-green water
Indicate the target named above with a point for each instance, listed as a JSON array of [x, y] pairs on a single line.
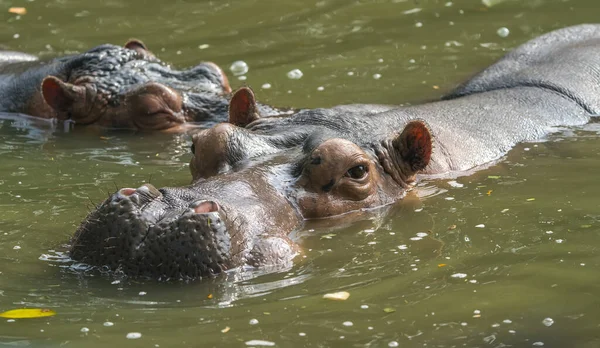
[[539, 259]]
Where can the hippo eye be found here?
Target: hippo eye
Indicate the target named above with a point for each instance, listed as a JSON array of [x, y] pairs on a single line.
[[357, 172], [193, 148]]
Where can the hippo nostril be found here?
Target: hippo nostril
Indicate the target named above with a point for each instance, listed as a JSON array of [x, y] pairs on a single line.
[[204, 207], [127, 191]]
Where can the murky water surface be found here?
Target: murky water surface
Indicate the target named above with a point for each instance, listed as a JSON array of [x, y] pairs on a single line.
[[507, 256]]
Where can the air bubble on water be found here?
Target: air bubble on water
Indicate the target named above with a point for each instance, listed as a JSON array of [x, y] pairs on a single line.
[[115, 282], [301, 334], [16, 247], [380, 60], [402, 247], [538, 344], [350, 73], [108, 323], [416, 238], [142, 293], [320, 88], [467, 239], [295, 74], [559, 241], [242, 78], [347, 323], [422, 234], [503, 32], [376, 76], [548, 322], [507, 321], [393, 344], [418, 210], [266, 86], [459, 275], [449, 198], [239, 67], [480, 226], [463, 324], [204, 46], [370, 328], [364, 306], [418, 24], [253, 321], [477, 311], [133, 335], [16, 36], [84, 330], [495, 325]]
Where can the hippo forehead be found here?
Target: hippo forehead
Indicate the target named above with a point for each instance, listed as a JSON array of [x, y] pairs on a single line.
[[116, 70]]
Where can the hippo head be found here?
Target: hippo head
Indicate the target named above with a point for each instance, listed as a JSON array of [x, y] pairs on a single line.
[[255, 181], [128, 87]]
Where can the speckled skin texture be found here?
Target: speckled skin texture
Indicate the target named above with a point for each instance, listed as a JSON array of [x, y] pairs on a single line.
[[104, 83], [274, 173]]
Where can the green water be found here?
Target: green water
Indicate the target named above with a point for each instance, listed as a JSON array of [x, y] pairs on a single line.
[[535, 257]]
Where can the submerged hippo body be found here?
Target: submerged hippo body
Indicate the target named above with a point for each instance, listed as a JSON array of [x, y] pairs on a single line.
[[112, 86], [273, 173]]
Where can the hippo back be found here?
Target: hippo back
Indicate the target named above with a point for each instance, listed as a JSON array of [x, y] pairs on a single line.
[[566, 61]]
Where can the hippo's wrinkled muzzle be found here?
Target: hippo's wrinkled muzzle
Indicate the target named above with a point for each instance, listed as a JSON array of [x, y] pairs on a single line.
[[131, 234]]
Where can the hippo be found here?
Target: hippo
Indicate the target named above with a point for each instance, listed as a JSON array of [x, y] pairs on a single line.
[[256, 180], [114, 87]]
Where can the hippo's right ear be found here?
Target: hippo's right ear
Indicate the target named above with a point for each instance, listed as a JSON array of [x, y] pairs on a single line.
[[414, 145], [136, 45], [242, 107]]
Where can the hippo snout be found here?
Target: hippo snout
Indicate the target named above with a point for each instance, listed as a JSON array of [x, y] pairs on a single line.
[[133, 232]]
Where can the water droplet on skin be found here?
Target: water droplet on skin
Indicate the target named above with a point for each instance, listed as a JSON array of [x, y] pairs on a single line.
[[238, 68], [548, 322], [295, 74], [133, 335], [503, 32]]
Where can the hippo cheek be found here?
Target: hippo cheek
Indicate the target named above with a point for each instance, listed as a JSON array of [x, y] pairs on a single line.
[[154, 106]]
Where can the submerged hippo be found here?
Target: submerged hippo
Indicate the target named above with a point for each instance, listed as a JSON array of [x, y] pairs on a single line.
[[257, 179], [112, 86]]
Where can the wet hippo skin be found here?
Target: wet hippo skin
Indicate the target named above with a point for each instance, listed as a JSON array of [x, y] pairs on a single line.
[[115, 87], [255, 180]]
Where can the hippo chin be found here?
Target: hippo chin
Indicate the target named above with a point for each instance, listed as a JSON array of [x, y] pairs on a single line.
[[257, 179], [112, 86]]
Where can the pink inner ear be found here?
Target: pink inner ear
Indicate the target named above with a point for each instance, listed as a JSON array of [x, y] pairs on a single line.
[[136, 45], [242, 107], [419, 144], [54, 93]]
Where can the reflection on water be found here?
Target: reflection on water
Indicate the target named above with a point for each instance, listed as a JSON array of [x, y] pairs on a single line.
[[505, 256]]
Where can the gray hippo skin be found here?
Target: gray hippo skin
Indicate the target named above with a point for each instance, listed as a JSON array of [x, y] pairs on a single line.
[[257, 179], [115, 87]]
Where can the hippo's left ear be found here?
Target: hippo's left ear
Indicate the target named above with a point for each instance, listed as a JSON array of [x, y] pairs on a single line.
[[242, 107], [61, 95], [414, 145]]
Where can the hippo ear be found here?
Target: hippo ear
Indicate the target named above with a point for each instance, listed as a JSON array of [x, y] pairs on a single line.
[[414, 145], [61, 95], [242, 107], [136, 45]]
